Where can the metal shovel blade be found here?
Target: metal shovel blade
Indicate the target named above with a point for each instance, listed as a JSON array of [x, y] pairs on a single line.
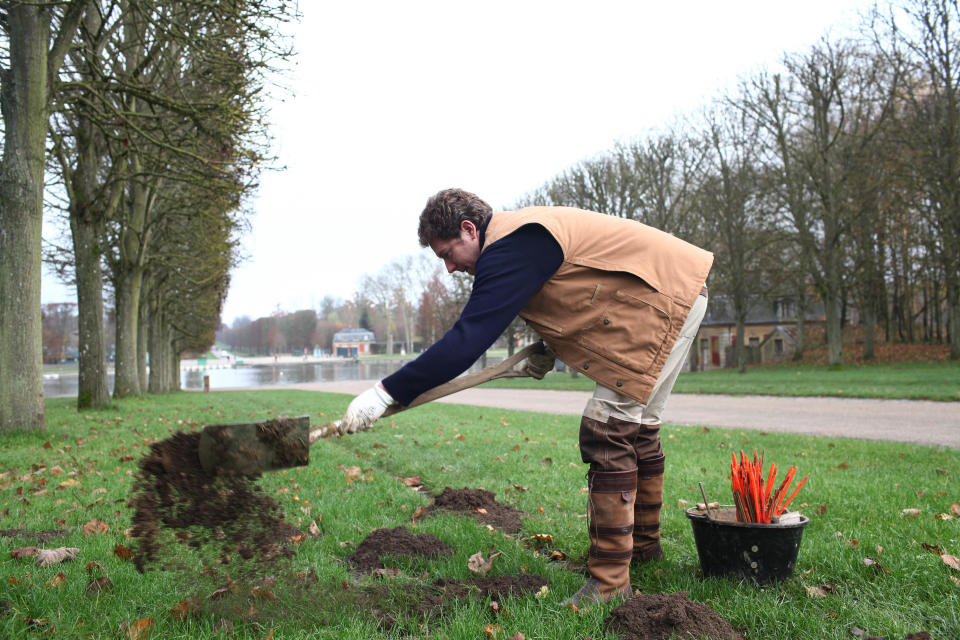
[[252, 448]]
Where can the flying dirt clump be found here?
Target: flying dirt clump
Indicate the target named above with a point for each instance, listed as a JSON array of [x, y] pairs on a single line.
[[220, 515]]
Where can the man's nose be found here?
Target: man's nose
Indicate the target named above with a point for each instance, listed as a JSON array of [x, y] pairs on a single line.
[[451, 267]]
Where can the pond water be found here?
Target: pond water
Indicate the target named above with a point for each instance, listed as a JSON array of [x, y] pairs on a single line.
[[65, 384]]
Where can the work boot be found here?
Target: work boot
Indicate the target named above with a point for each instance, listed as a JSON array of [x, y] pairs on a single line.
[[646, 511], [610, 513]]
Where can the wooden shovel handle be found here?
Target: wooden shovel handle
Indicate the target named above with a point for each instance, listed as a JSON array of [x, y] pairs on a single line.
[[502, 370]]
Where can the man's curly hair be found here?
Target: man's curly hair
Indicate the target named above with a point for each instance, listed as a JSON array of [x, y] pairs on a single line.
[[445, 211]]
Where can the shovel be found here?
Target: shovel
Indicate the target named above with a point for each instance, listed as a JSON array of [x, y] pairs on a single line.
[[251, 448]]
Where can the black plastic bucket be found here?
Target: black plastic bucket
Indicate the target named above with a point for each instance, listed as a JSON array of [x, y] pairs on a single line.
[[731, 549]]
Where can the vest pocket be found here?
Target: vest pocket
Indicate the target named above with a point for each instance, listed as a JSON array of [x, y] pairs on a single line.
[[631, 330]]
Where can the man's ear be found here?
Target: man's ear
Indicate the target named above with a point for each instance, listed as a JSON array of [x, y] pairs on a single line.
[[469, 228]]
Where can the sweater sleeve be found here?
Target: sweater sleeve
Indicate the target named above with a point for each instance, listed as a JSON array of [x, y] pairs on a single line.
[[508, 273]]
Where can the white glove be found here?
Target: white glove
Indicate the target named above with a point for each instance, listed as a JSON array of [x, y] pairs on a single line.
[[365, 409]]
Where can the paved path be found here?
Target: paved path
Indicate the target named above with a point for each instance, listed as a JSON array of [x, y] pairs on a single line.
[[918, 421]]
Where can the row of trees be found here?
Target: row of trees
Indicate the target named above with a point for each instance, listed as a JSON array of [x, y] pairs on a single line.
[[150, 119], [411, 299], [838, 173]]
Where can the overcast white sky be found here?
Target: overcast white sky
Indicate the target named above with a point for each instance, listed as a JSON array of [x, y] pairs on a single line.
[[393, 101]]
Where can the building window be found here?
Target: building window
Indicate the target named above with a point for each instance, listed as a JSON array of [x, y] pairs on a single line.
[[778, 346], [754, 341]]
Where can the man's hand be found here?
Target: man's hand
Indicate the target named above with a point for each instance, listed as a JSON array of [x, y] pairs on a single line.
[[538, 365], [365, 409]]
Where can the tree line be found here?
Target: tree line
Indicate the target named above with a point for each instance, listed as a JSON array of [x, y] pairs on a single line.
[[837, 173], [411, 301], [149, 119]]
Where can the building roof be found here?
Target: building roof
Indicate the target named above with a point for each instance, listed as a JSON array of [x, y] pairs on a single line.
[[767, 310], [354, 335]]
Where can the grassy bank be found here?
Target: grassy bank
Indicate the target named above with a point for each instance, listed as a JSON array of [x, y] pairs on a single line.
[[855, 499], [900, 380]]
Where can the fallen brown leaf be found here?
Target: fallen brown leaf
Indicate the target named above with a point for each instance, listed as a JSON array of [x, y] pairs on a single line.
[[951, 561], [122, 552], [816, 592], [352, 472], [911, 513], [492, 629], [518, 636], [185, 608], [495, 607], [417, 512], [955, 509], [140, 629], [480, 565], [95, 527], [92, 565], [23, 552], [932, 548], [412, 481], [313, 529], [47, 557], [879, 568], [98, 586], [57, 580]]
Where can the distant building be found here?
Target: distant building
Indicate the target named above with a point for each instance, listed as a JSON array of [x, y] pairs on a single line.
[[769, 330], [352, 343]]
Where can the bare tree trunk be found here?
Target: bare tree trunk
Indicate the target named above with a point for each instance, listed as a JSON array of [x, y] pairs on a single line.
[[158, 360], [953, 306], [93, 390], [834, 330], [24, 96], [126, 378], [143, 325], [869, 323], [740, 349]]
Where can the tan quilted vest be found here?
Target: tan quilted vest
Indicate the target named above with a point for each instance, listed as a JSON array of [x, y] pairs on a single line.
[[616, 305]]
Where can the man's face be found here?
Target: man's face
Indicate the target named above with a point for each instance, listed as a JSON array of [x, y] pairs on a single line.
[[459, 254]]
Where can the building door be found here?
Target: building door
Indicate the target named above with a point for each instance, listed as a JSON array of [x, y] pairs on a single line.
[[715, 350]]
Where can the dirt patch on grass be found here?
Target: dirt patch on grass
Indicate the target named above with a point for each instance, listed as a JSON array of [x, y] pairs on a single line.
[[659, 616], [481, 505], [395, 542]]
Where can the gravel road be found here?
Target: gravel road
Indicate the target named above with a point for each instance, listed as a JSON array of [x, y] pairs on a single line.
[[917, 421]]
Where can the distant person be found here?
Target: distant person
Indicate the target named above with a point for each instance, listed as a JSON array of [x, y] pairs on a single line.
[[614, 299]]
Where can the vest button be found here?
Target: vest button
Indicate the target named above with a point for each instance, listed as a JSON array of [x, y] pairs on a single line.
[[586, 366], [619, 383], [606, 321]]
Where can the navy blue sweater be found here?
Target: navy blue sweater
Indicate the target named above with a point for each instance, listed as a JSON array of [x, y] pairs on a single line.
[[506, 276]]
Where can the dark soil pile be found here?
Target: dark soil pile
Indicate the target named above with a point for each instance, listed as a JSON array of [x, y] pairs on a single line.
[[659, 616], [481, 505], [220, 515], [395, 542]]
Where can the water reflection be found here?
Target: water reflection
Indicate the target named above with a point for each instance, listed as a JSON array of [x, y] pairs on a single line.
[[65, 384]]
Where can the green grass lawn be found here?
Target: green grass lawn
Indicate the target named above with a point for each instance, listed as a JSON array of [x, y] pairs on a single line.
[[905, 380], [855, 499]]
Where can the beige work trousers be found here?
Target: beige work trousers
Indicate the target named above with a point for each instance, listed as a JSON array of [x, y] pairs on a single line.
[[618, 431]]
